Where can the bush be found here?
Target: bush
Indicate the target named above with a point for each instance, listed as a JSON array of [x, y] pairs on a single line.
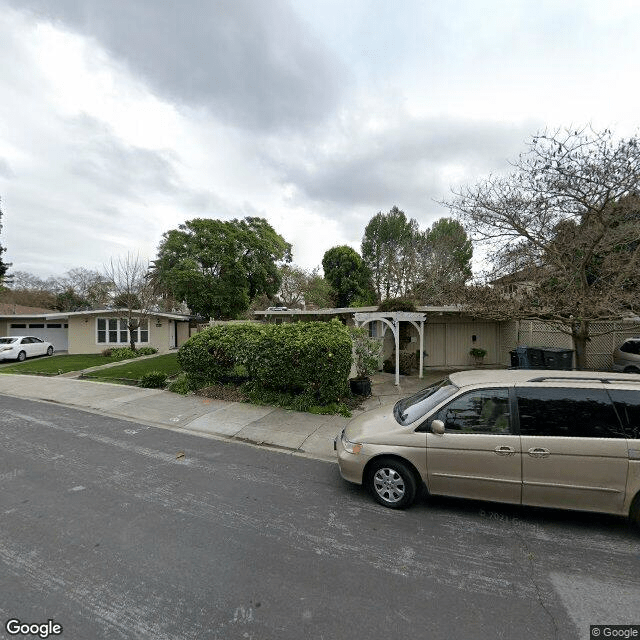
[[146, 351], [180, 385], [153, 380], [107, 352], [214, 354], [122, 353], [397, 304], [366, 352], [308, 358]]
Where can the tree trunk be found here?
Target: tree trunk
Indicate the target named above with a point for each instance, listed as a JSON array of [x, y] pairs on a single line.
[[580, 337]]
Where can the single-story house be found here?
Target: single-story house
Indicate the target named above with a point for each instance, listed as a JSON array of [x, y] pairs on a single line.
[[93, 331], [449, 334]]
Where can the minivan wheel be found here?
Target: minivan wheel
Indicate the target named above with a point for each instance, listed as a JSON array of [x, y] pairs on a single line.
[[392, 483]]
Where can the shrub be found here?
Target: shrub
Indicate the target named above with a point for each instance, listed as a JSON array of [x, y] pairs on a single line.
[[366, 351], [213, 354], [146, 351], [107, 352], [153, 380], [389, 366], [309, 358], [122, 353], [407, 362], [397, 304], [180, 385]]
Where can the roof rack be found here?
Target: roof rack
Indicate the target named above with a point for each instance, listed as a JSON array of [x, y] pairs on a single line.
[[607, 380]]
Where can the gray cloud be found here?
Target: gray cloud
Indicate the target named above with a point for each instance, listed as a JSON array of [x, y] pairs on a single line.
[[5, 169], [404, 165], [251, 62]]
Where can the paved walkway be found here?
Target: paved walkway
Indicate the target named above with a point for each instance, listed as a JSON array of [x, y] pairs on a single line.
[[301, 433]]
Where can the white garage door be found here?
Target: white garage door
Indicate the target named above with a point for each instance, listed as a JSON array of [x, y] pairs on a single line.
[[54, 332]]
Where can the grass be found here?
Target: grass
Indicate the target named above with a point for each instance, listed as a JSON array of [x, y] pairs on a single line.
[[55, 365], [133, 371]]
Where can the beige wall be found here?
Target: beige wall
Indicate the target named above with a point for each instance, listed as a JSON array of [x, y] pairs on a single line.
[[83, 335], [4, 325]]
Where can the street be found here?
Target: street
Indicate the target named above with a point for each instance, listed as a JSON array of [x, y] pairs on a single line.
[[118, 530]]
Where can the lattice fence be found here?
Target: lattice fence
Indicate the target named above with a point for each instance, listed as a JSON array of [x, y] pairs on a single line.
[[534, 333]]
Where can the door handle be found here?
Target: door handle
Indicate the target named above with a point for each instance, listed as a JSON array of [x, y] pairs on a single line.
[[539, 452], [504, 450]]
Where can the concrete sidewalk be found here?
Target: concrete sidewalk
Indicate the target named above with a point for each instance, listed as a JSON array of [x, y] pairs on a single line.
[[301, 433]]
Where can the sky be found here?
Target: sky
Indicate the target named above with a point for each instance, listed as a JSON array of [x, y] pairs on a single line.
[[121, 119]]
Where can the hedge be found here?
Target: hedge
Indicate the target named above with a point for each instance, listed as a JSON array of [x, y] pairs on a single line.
[[309, 358]]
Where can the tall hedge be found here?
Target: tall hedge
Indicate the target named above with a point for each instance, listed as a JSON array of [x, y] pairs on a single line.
[[212, 354], [311, 358]]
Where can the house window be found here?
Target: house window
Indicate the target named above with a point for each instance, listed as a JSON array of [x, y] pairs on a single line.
[[36, 326], [373, 329], [115, 331], [18, 326]]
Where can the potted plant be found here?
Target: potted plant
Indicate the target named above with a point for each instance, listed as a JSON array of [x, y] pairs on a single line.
[[365, 352], [478, 354]]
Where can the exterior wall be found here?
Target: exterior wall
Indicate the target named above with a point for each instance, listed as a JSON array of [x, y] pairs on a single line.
[[4, 324], [83, 334], [534, 333], [448, 340]]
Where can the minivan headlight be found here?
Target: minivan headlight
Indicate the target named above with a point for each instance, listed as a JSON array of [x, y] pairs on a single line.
[[351, 447]]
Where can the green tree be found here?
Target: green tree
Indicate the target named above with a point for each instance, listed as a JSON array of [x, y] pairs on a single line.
[[567, 221], [69, 300], [348, 276], [389, 252], [218, 267], [444, 262]]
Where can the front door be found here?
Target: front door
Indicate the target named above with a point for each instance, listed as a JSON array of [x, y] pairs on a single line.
[[478, 456]]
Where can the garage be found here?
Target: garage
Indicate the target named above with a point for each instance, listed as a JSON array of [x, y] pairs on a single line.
[[57, 333]]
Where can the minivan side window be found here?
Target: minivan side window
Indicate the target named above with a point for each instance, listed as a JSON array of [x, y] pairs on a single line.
[[479, 411], [631, 346], [627, 404], [576, 413]]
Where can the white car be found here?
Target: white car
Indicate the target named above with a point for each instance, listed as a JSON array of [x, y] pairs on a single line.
[[22, 347]]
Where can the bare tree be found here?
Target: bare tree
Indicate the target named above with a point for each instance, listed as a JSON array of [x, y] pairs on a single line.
[[132, 289], [567, 222]]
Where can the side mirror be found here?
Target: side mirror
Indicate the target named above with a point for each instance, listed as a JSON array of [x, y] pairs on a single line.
[[437, 427]]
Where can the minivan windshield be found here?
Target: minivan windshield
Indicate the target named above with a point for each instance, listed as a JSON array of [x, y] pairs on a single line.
[[410, 409]]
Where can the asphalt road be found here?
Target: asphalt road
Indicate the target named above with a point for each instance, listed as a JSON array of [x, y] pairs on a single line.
[[107, 530]]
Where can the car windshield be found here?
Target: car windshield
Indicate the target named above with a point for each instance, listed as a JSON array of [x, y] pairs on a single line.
[[410, 409], [7, 340]]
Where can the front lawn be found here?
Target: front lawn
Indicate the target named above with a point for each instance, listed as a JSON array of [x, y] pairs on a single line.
[[131, 372], [55, 365]]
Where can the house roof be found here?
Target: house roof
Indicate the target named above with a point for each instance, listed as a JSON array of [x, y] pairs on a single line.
[[49, 314], [351, 310]]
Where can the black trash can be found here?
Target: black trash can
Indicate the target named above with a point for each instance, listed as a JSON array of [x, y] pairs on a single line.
[[556, 358]]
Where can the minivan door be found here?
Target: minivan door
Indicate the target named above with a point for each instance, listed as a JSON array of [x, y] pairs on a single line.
[[478, 455], [574, 450]]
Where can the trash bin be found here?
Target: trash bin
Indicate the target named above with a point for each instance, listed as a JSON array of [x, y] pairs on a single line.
[[524, 357], [555, 358]]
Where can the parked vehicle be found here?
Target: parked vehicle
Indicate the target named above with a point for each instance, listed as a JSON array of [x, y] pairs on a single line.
[[627, 356], [22, 347], [565, 439]]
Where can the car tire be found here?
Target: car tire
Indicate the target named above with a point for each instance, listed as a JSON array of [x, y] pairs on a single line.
[[22, 356], [392, 483], [50, 351]]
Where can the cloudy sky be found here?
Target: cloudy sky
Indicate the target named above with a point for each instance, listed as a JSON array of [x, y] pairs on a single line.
[[120, 119]]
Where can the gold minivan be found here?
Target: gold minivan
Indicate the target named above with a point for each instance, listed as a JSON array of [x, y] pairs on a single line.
[[565, 439]]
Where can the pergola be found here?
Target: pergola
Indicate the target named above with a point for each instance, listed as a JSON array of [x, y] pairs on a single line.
[[393, 319]]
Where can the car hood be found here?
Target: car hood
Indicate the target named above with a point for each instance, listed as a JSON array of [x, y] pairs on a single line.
[[372, 423]]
